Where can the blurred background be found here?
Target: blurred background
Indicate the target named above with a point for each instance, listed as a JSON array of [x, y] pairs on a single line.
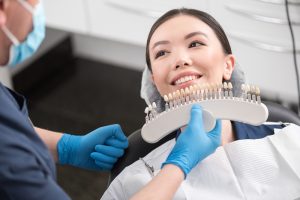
[[87, 72]]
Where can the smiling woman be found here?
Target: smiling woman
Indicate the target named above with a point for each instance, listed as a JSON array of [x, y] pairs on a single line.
[[196, 51], [193, 52], [185, 47]]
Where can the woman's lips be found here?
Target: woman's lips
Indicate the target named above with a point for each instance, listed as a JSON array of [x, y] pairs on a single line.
[[186, 84], [185, 80], [185, 77]]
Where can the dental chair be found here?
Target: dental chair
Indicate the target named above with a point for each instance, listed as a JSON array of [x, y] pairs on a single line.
[[139, 148]]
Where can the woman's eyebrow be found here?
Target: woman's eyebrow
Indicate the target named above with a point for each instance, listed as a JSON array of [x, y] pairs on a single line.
[[186, 37], [159, 43], [194, 33]]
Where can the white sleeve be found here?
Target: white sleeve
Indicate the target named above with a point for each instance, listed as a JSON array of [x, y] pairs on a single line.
[[135, 176], [128, 182], [115, 191]]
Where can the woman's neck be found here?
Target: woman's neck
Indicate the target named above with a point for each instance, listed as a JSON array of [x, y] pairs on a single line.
[[227, 132]]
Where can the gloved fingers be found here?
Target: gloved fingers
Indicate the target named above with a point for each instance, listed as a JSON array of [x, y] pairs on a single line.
[[114, 131], [121, 144], [100, 157], [104, 166], [217, 129], [119, 134], [215, 134], [109, 150], [196, 117]]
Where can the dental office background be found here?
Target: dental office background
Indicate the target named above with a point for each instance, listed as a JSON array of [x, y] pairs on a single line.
[[115, 32]]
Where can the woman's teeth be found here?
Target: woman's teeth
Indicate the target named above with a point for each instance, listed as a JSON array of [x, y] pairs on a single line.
[[185, 79]]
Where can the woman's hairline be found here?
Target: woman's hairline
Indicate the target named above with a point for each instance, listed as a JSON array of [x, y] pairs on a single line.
[[181, 13]]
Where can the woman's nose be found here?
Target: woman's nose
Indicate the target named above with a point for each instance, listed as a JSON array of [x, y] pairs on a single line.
[[183, 60]]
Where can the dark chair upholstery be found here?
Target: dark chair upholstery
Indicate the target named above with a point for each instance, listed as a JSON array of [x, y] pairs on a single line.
[[280, 113], [139, 148]]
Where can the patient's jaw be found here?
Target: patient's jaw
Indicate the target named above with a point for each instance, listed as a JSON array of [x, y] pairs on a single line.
[[185, 51]]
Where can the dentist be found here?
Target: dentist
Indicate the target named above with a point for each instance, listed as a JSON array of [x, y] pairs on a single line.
[[27, 153]]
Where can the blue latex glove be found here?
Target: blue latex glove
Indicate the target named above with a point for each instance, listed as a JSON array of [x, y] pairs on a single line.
[[97, 150], [194, 144]]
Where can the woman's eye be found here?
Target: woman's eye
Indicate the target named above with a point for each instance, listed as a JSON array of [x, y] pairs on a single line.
[[160, 53], [195, 44]]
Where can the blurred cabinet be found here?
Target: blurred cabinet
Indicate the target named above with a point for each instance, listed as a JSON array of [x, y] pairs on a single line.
[[69, 15], [129, 21], [260, 37], [125, 21]]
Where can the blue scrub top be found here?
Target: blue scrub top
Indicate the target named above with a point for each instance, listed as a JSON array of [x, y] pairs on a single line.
[[27, 170], [245, 131]]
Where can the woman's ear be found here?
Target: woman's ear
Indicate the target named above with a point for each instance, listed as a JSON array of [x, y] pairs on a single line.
[[228, 66]]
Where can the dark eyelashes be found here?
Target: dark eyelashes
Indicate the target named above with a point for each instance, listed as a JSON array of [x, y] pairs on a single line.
[[191, 45], [160, 53], [196, 44]]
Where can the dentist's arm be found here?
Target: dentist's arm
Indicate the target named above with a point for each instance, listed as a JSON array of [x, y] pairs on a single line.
[[97, 150], [50, 138], [192, 146]]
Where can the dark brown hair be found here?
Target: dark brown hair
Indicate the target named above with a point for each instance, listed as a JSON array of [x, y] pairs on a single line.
[[203, 16]]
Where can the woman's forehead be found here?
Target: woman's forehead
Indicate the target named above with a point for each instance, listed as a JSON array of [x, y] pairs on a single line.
[[180, 25]]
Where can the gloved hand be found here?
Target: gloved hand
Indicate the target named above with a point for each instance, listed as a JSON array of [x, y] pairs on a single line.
[[194, 144], [97, 150]]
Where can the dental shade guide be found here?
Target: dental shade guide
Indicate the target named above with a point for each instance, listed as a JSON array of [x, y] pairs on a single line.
[[217, 102]]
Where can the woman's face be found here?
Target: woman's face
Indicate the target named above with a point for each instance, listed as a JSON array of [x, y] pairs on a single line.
[[184, 51]]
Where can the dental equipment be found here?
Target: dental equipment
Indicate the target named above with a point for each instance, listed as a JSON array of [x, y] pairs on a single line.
[[217, 101]]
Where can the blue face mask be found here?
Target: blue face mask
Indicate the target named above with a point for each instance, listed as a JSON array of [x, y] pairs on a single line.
[[21, 51]]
